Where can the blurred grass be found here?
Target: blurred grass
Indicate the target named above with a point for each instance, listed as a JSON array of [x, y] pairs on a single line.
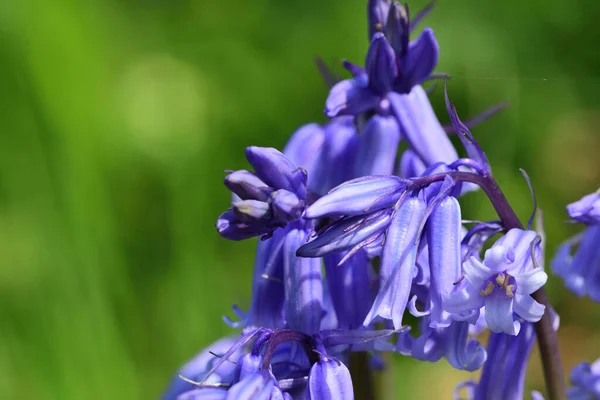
[[117, 119]]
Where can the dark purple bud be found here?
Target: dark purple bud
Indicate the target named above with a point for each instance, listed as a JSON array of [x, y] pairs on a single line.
[[230, 227], [381, 65], [420, 61], [378, 147], [286, 206], [377, 11], [276, 170], [397, 29], [329, 380], [250, 211], [247, 186]]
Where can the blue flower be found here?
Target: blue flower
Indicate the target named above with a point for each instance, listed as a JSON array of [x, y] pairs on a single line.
[[502, 283], [503, 375], [329, 379], [585, 378], [580, 268], [270, 198]]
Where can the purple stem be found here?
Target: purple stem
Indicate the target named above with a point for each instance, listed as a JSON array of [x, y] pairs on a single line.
[[287, 335], [547, 338]]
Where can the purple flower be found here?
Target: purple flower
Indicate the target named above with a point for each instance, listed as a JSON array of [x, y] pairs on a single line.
[[502, 283], [350, 287], [398, 262], [586, 210], [392, 64], [378, 146], [450, 342], [585, 378], [580, 267], [503, 375], [303, 285], [329, 379], [197, 369], [270, 198], [444, 233]]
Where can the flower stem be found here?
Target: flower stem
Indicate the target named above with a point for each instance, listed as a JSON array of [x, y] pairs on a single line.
[[362, 376]]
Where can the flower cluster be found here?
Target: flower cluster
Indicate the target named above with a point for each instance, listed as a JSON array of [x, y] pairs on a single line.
[[580, 268], [352, 241]]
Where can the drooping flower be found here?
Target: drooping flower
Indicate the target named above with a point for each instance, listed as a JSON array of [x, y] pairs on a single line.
[[585, 378], [503, 375], [503, 283], [577, 260], [329, 379], [270, 198]]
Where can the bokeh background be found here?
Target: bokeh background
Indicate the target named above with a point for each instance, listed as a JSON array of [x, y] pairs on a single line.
[[117, 119]]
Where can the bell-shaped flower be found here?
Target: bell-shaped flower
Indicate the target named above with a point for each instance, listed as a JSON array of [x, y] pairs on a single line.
[[451, 342], [269, 198], [197, 369], [257, 386], [444, 234], [329, 379], [585, 378], [503, 375], [420, 127], [378, 146], [331, 164], [398, 261], [586, 210], [303, 282], [204, 394], [268, 296], [503, 283], [304, 146], [350, 288], [577, 260]]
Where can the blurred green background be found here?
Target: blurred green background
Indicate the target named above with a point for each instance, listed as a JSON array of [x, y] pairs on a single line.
[[117, 119]]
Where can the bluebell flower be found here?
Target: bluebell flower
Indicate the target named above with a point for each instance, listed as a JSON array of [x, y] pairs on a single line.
[[450, 342], [197, 368], [270, 198], [303, 284], [503, 283], [577, 260], [398, 261], [329, 379], [586, 210], [503, 375], [378, 146], [585, 378], [350, 287]]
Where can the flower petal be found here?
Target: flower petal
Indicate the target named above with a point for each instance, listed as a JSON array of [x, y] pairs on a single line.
[[381, 65], [530, 281], [528, 309], [378, 147], [276, 170], [499, 313], [358, 196], [421, 59], [350, 97]]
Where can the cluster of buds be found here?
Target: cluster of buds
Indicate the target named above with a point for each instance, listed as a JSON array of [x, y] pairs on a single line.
[[352, 241]]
